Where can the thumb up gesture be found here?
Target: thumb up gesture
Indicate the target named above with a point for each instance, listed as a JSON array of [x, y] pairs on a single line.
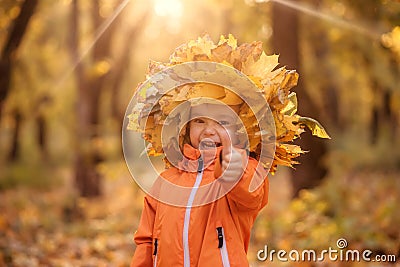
[[232, 162]]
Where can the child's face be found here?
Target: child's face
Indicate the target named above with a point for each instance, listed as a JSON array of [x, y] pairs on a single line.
[[212, 123]]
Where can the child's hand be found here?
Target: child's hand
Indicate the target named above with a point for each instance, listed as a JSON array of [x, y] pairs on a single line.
[[233, 161]]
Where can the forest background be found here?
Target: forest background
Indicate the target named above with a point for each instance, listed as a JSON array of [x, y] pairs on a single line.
[[68, 69]]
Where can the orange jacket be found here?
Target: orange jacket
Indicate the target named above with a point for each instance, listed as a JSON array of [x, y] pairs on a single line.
[[214, 234]]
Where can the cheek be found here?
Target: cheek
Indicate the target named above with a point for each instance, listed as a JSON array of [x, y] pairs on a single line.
[[194, 136]]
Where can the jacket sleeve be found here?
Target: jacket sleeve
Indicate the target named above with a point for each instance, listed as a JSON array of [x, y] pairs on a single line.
[[251, 192], [143, 237]]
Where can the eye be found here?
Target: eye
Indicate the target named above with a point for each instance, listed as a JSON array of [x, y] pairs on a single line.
[[198, 120], [225, 123]]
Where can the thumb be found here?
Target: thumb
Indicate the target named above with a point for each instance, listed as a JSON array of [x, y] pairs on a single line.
[[225, 153], [226, 143]]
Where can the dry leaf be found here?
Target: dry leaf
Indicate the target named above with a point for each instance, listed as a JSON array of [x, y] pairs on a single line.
[[315, 127]]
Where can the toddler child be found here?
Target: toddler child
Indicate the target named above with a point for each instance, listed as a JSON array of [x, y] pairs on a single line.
[[200, 210]]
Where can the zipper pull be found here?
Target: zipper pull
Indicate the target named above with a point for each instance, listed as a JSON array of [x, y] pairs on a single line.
[[200, 167], [220, 237], [155, 246]]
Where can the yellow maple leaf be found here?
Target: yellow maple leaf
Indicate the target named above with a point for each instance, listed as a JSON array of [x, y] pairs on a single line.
[[264, 65], [315, 127], [231, 41], [291, 107]]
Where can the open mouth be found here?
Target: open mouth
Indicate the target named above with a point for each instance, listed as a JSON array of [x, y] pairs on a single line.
[[209, 144]]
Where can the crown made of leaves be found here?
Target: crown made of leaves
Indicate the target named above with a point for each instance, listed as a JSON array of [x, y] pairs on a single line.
[[250, 59]]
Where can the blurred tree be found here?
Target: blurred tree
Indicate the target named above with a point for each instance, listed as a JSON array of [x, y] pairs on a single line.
[[376, 64], [382, 84], [7, 60], [103, 70], [391, 41], [286, 43], [327, 105], [42, 125], [15, 145], [121, 68], [8, 53], [87, 178]]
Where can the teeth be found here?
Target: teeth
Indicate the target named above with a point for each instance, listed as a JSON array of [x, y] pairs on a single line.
[[208, 144]]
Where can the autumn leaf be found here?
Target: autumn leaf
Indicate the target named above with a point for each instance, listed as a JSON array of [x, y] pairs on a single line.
[[231, 41], [155, 67], [265, 64], [315, 127], [221, 52], [291, 107]]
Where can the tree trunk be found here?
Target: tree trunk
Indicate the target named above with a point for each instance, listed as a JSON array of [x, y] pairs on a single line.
[[42, 135], [11, 47], [88, 156], [87, 179], [375, 117], [121, 67], [285, 41], [14, 151], [388, 113], [321, 49], [382, 115]]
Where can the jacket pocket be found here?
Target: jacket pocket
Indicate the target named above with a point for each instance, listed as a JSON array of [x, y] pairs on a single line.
[[155, 252], [222, 246]]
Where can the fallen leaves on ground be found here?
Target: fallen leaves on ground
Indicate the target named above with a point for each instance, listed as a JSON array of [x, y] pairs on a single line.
[[54, 228]]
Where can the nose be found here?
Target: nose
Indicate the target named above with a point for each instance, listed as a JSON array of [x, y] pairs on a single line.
[[210, 128]]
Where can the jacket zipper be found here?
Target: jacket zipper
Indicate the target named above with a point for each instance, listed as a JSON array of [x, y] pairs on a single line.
[[155, 252], [222, 247], [199, 177]]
